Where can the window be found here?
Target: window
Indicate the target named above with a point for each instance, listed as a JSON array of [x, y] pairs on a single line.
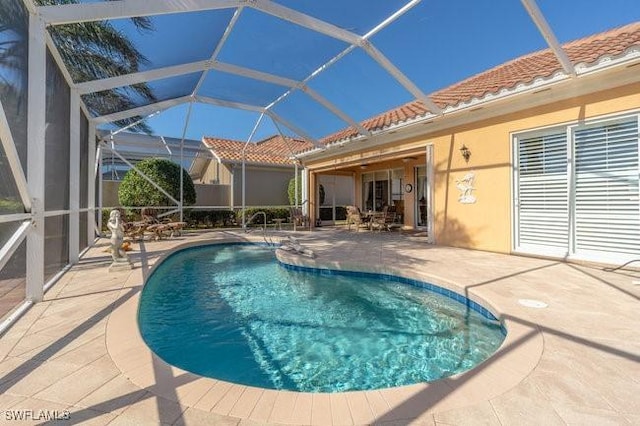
[[590, 211]]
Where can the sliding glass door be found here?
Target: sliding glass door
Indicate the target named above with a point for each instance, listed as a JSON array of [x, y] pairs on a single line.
[[381, 188]]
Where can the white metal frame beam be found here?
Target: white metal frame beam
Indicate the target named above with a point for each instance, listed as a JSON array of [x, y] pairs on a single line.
[[74, 177], [141, 77], [400, 77], [244, 174], [143, 110], [36, 110], [303, 20], [228, 104], [127, 8], [543, 26], [125, 80], [330, 30], [219, 46], [92, 173], [14, 160], [294, 128], [7, 250], [53, 49], [184, 134], [145, 177], [87, 12]]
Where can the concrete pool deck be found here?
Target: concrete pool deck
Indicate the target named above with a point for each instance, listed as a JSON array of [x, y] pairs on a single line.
[[576, 361]]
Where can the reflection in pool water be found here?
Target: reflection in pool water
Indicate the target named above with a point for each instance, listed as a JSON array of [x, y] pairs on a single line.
[[232, 312]]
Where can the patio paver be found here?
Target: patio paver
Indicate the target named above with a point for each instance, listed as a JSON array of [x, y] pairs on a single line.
[[575, 362]]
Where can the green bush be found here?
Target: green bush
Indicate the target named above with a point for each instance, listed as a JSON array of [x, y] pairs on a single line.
[[271, 212], [291, 191], [130, 215], [209, 218], [136, 191], [8, 205]]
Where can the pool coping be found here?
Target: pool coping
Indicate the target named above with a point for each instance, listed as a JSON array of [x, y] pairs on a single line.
[[518, 355]]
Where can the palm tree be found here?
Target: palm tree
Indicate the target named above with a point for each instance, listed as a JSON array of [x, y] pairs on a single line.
[[90, 51]]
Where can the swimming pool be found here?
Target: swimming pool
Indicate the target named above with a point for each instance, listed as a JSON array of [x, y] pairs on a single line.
[[233, 313]]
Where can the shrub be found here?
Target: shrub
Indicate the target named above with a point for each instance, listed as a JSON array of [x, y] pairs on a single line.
[[291, 191], [209, 218], [137, 191], [271, 212]]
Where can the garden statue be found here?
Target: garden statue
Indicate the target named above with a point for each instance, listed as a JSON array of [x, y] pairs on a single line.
[[120, 258]]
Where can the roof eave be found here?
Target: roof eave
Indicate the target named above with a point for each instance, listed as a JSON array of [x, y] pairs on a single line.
[[469, 110]]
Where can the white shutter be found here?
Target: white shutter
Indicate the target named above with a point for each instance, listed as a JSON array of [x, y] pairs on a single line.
[[542, 199], [607, 210]]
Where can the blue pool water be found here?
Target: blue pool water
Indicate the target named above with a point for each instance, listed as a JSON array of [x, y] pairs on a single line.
[[232, 312]]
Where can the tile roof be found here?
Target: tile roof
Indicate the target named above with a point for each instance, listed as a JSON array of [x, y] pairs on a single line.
[[522, 70], [272, 150]]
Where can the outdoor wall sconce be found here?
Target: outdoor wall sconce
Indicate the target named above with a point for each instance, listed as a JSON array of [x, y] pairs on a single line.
[[466, 154], [364, 167]]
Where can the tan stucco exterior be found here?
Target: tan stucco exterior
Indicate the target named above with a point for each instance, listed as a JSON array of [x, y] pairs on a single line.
[[486, 224], [216, 173]]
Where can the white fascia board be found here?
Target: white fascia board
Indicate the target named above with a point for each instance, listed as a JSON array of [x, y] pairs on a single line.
[[400, 77], [303, 20], [87, 12], [228, 104], [543, 26], [143, 110], [141, 77]]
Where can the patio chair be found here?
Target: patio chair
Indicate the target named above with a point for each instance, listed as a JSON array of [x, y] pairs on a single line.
[[298, 218], [355, 217], [386, 220]]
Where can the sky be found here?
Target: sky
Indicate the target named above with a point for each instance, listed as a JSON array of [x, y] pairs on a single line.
[[436, 44]]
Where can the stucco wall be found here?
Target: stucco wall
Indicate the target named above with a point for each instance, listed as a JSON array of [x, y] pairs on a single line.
[[216, 173], [487, 224], [212, 195], [264, 186], [110, 193], [206, 195]]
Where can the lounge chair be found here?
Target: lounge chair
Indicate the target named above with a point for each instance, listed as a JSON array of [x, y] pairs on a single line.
[[161, 228]]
